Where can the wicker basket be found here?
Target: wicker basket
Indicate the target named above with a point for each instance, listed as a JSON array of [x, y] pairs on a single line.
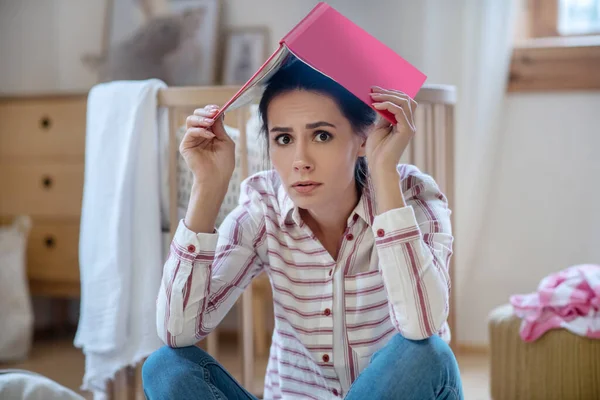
[[559, 365]]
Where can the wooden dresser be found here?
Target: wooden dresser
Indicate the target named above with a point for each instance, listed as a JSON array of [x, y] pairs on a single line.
[[42, 144]]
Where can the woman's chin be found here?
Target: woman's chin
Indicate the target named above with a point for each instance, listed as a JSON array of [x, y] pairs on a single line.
[[305, 201]]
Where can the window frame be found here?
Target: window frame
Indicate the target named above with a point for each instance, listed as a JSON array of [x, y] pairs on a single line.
[[543, 60]]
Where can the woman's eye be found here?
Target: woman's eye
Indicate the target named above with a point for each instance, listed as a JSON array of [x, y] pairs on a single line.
[[323, 136], [283, 139]]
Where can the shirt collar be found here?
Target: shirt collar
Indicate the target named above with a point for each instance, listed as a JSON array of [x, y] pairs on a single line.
[[365, 209]]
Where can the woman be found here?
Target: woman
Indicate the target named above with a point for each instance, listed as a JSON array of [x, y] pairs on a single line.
[[357, 257]]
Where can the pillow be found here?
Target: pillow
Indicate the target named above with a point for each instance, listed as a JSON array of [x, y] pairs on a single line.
[[26, 385]]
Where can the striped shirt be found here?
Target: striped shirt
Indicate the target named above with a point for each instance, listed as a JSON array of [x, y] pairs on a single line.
[[390, 276]]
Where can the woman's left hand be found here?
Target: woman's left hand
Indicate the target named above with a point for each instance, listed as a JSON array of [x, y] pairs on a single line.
[[386, 142]]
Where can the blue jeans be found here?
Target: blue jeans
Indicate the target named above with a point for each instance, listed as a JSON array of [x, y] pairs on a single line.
[[402, 369]]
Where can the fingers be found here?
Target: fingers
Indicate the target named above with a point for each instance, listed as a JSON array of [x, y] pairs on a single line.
[[399, 95], [207, 111], [202, 117], [200, 133], [202, 124], [394, 103], [398, 111]]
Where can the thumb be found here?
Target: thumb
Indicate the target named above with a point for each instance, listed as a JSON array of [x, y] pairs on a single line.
[[218, 129]]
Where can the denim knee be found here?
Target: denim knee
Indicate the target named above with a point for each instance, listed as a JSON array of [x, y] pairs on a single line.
[[410, 369], [431, 356], [167, 363]]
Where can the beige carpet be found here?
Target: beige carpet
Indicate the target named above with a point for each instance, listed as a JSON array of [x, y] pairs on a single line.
[[57, 359]]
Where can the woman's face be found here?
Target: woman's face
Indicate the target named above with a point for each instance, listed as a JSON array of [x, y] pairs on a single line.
[[313, 148]]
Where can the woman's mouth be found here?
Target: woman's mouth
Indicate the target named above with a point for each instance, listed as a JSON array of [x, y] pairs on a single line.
[[307, 187]]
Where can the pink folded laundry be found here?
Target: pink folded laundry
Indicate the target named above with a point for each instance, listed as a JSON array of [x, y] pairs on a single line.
[[568, 299]]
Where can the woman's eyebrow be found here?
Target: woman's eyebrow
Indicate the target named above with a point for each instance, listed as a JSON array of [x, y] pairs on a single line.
[[319, 124], [312, 125]]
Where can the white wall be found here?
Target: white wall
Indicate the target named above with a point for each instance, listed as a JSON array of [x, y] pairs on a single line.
[[539, 218], [41, 43], [544, 214]]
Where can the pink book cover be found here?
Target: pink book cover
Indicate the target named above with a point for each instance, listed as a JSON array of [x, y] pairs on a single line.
[[335, 46]]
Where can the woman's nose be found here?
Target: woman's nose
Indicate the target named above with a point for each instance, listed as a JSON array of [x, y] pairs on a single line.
[[302, 165]]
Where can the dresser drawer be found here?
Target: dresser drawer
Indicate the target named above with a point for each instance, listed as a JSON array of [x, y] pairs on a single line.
[[53, 252], [46, 190], [42, 127]]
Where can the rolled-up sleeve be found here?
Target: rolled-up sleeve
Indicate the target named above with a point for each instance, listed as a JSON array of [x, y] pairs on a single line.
[[414, 244], [205, 274]]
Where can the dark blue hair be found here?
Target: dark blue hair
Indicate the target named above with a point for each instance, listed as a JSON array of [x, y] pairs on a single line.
[[296, 75]]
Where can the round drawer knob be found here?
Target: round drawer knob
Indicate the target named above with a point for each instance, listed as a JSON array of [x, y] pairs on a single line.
[[45, 122], [47, 182], [50, 242]]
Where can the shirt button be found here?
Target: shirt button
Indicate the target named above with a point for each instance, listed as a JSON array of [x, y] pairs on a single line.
[[330, 272], [355, 217], [191, 248], [327, 312], [335, 392], [380, 232], [350, 236], [325, 357]]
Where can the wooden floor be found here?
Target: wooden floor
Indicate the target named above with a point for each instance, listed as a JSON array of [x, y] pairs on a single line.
[[58, 360]]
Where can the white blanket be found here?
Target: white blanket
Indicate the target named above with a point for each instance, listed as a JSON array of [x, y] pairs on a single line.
[[120, 247]]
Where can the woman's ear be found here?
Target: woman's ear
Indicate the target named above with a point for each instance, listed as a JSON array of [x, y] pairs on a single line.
[[362, 150]]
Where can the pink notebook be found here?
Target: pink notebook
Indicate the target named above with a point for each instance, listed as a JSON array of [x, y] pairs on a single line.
[[338, 48]]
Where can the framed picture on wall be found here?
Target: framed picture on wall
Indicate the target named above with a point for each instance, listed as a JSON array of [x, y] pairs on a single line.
[[246, 49], [196, 59]]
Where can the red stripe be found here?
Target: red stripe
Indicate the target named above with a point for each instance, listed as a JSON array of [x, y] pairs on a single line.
[[306, 299], [311, 282], [298, 312], [297, 380], [296, 353], [261, 236], [414, 234], [289, 391], [168, 291], [308, 347], [200, 331], [183, 254], [370, 307], [353, 252], [286, 231], [187, 288], [365, 291], [362, 274], [356, 327], [219, 298], [368, 342], [296, 264], [301, 368], [312, 252], [315, 331]]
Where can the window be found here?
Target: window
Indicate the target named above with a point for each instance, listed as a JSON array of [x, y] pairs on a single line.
[[557, 46], [578, 17]]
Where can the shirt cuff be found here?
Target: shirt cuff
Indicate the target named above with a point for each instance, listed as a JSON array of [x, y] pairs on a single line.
[[396, 226], [195, 245]]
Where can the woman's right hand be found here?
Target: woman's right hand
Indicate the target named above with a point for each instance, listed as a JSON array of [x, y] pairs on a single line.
[[207, 149]]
